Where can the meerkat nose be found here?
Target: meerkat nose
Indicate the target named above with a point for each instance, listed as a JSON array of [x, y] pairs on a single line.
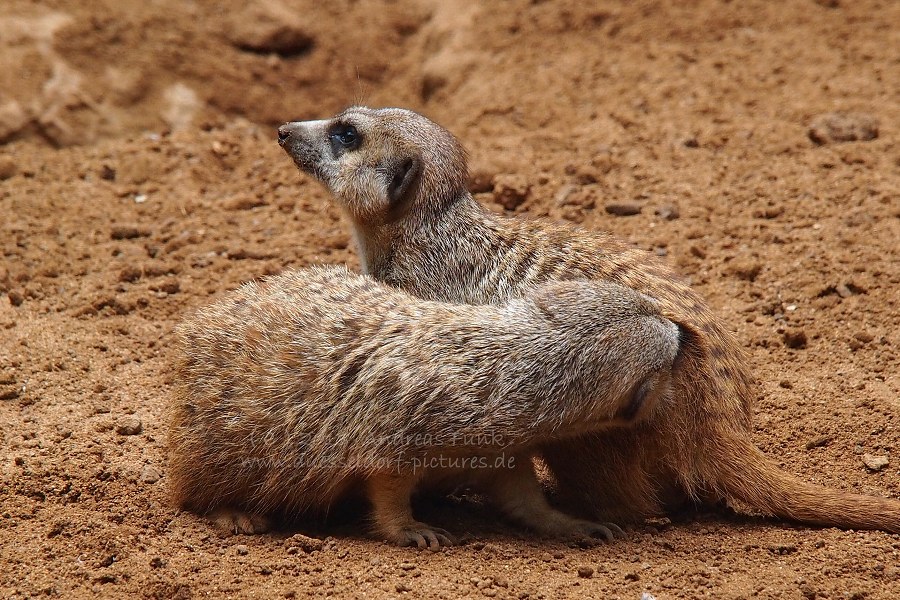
[[284, 134]]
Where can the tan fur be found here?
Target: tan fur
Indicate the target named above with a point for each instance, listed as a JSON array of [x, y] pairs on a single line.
[[294, 392], [436, 242]]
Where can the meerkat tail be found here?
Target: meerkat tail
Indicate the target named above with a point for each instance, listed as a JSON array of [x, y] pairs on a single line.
[[747, 475]]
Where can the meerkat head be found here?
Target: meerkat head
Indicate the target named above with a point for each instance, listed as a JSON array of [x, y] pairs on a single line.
[[627, 341], [379, 163]]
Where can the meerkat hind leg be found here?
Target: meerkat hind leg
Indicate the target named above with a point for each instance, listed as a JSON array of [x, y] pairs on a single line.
[[518, 493], [392, 513], [237, 521]]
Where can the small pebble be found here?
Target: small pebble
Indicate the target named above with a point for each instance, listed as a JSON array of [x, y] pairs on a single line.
[[306, 543], [875, 463], [150, 474], [130, 425], [241, 549], [127, 232], [843, 290], [623, 209], [817, 442], [243, 202], [770, 212], [843, 127], [668, 212], [864, 337], [8, 167], [783, 549], [585, 572]]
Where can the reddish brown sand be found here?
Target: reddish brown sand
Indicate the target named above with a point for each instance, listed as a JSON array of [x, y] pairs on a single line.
[[139, 178]]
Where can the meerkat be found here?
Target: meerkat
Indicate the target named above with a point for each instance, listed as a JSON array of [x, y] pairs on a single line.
[[400, 180], [293, 392]]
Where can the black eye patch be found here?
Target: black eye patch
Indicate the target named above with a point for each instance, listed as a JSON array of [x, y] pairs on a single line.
[[344, 138]]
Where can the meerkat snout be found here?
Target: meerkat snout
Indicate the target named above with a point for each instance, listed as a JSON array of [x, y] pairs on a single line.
[[284, 134], [298, 140]]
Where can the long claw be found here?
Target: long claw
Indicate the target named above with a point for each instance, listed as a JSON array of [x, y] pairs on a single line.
[[617, 531], [419, 539], [422, 536], [603, 531]]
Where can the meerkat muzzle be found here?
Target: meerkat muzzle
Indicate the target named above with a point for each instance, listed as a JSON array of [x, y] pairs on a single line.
[[291, 133], [303, 142]]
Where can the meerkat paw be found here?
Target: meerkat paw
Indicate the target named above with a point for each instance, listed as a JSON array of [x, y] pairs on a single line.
[[607, 531], [237, 521], [392, 514], [421, 535], [560, 525]]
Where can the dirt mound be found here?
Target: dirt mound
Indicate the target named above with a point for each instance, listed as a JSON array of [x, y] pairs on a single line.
[[139, 178]]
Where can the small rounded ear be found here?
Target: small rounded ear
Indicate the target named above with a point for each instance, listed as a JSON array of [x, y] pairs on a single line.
[[403, 174]]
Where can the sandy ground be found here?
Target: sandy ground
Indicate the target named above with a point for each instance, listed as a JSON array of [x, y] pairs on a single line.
[[139, 178]]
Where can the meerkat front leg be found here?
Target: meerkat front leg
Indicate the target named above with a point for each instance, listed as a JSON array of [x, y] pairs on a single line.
[[392, 513], [517, 492]]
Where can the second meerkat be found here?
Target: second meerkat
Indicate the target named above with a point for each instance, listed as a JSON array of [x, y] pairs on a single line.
[[401, 181], [315, 383]]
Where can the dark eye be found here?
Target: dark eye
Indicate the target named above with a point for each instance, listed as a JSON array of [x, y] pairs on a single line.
[[344, 137], [347, 136]]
